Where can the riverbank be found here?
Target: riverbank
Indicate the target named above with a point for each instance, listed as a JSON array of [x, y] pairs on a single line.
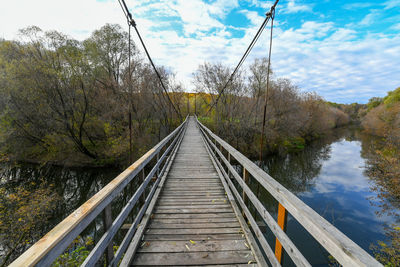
[[329, 174]]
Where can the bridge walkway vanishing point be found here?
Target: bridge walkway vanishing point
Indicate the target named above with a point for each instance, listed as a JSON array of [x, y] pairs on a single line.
[[185, 204], [193, 222]]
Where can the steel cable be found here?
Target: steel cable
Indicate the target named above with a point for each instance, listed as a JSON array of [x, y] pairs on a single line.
[[132, 23], [248, 50]]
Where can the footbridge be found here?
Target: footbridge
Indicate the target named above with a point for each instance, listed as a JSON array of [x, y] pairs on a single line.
[[187, 204]]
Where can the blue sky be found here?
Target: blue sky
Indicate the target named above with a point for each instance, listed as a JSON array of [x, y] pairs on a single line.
[[346, 51]]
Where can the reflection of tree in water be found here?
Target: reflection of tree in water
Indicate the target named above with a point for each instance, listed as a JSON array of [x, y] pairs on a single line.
[[297, 171], [73, 185], [383, 168]]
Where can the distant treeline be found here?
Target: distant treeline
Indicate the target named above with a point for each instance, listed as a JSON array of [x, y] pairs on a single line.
[[69, 102], [383, 119], [292, 117]]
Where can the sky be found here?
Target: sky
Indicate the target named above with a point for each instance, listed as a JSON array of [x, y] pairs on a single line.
[[346, 51]]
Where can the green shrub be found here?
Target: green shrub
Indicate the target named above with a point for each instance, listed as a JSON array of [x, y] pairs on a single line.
[[392, 97]]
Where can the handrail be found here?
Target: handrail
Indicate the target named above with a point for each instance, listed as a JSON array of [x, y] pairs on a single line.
[[343, 249], [49, 247]]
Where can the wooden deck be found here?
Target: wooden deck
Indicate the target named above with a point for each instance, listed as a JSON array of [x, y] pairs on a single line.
[[191, 214], [193, 222]]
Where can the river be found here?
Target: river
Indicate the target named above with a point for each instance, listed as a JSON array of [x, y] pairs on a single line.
[[329, 175]]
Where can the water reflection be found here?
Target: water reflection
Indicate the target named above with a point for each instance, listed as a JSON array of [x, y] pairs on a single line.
[[73, 185], [330, 177]]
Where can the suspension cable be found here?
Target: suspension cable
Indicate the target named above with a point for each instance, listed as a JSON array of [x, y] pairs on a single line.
[[132, 23], [269, 14], [267, 91]]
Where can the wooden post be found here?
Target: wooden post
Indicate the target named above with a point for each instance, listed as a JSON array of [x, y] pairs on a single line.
[[195, 104], [282, 220], [130, 139], [143, 198], [229, 160], [107, 220], [246, 181], [158, 169]]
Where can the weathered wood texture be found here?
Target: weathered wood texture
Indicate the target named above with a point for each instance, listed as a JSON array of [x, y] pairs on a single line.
[[193, 222], [47, 249], [344, 250]]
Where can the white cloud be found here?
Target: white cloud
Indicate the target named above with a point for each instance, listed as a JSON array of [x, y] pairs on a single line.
[[370, 17], [396, 27], [293, 7], [391, 4], [263, 4], [320, 56], [359, 5], [74, 17]]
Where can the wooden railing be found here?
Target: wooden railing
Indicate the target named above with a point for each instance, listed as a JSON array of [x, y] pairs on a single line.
[[344, 250], [47, 249]]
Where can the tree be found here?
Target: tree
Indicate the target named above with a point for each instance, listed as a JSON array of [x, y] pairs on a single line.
[[22, 215]]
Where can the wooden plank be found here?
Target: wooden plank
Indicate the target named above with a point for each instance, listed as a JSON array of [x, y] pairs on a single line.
[[190, 258], [204, 180], [192, 206], [195, 191], [191, 201], [233, 230], [292, 250], [195, 220], [199, 176], [195, 246], [198, 204], [158, 225], [191, 180], [193, 197], [193, 215], [96, 252], [209, 206], [47, 249], [344, 250], [193, 184], [192, 210], [198, 168], [246, 231], [204, 187], [139, 231], [186, 237]]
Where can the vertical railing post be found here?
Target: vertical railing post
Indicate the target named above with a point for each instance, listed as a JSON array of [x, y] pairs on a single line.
[[158, 169], [282, 220], [107, 220], [143, 198], [246, 181], [229, 160]]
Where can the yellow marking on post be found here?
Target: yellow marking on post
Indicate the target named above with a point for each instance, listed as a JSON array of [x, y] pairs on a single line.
[[282, 218]]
